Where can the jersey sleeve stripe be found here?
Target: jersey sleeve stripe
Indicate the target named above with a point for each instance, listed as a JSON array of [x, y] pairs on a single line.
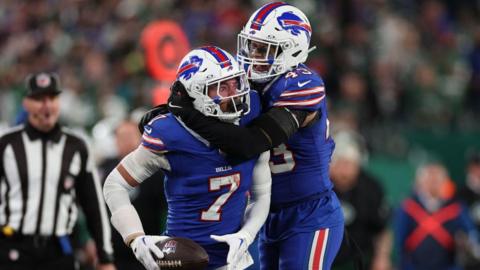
[[300, 98], [160, 116], [307, 102], [153, 147], [153, 141], [160, 151], [304, 92]]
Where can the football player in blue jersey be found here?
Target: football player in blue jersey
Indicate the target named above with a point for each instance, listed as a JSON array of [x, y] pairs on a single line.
[[219, 205], [305, 225]]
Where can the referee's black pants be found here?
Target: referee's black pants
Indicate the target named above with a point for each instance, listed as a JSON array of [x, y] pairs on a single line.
[[34, 253]]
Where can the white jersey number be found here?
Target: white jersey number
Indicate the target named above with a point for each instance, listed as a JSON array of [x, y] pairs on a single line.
[[287, 162], [214, 212]]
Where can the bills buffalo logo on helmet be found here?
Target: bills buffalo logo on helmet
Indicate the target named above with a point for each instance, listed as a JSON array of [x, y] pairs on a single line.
[[294, 24], [189, 67]]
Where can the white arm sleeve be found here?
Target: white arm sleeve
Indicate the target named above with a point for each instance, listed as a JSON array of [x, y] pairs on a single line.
[[140, 164], [257, 211]]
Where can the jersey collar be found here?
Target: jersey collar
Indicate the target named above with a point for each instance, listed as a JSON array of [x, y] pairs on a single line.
[[53, 135]]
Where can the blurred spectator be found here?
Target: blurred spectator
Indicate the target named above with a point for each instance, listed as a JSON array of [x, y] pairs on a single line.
[[148, 199], [366, 216], [78, 108], [470, 194], [354, 95], [428, 222], [426, 105], [473, 97]]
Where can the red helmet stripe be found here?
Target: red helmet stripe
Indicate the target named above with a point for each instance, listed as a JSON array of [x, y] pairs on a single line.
[[263, 13], [219, 55]]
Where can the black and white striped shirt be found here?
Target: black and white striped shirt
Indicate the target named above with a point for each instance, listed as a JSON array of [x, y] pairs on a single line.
[[42, 177]]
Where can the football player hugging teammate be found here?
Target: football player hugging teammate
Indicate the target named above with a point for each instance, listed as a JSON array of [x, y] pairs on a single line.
[[215, 203], [304, 228]]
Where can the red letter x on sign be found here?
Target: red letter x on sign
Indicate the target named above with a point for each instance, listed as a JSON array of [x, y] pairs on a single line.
[[430, 224]]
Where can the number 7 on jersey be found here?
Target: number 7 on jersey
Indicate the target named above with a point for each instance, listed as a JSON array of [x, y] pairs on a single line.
[[214, 212]]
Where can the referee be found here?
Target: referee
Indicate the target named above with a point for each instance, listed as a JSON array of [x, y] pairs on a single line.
[[44, 171]]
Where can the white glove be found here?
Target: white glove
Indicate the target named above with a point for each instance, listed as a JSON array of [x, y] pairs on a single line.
[[238, 255], [145, 249]]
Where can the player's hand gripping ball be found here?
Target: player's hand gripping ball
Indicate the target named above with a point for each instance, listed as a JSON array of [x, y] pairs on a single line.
[[182, 254]]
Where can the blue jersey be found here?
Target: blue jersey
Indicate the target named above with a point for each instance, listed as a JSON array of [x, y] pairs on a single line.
[[304, 228], [300, 167], [205, 194]]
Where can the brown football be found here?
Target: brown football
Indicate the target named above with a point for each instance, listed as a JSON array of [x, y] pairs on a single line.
[[182, 254]]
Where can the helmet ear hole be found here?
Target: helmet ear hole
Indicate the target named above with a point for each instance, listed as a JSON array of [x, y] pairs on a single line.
[[279, 69], [196, 87], [286, 45]]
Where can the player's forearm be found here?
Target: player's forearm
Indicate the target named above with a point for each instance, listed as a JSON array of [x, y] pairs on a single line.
[[124, 217], [268, 130], [132, 170], [242, 142], [257, 211], [256, 214]]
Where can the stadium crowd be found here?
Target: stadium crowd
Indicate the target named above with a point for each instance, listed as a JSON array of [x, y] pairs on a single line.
[[405, 62]]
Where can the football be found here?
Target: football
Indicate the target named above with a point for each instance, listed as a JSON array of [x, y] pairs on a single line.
[[182, 254]]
